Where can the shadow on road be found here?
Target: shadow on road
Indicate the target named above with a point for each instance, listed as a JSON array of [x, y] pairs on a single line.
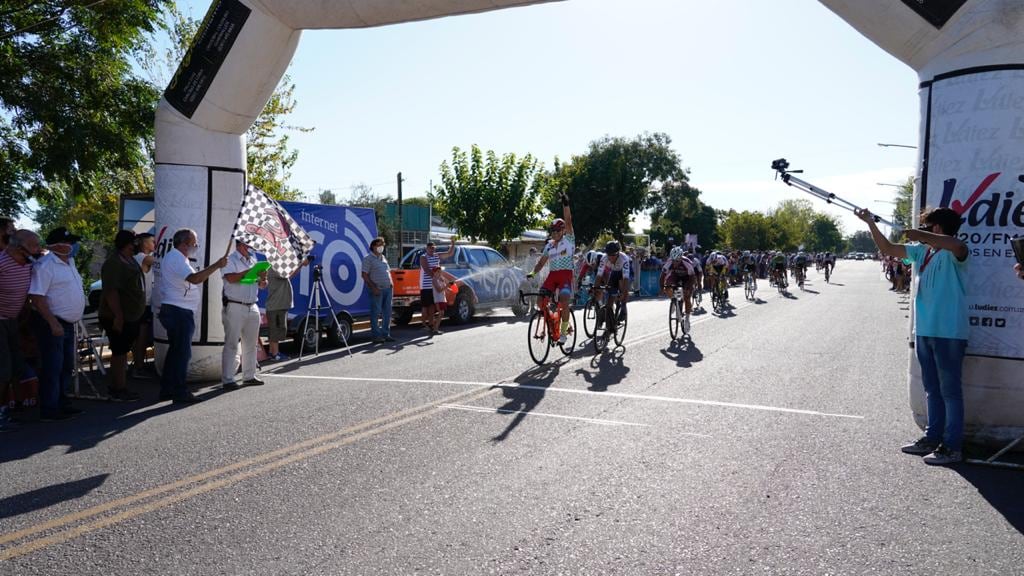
[[520, 401], [607, 369], [835, 284], [41, 498], [809, 291], [684, 352], [1001, 488]]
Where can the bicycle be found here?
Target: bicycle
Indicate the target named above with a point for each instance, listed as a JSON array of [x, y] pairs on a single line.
[[543, 329], [718, 295], [780, 281], [590, 314], [800, 276], [612, 318], [698, 297], [749, 285], [676, 314], [828, 273]]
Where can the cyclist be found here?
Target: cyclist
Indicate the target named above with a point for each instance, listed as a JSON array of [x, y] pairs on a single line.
[[717, 268], [830, 262], [557, 254], [591, 262], [680, 272], [747, 264], [778, 263], [698, 276], [616, 273], [800, 262]]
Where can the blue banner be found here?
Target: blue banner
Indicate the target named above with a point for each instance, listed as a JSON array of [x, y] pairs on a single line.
[[342, 236]]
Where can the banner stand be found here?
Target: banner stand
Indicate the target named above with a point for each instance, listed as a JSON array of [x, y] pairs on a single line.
[[995, 461]]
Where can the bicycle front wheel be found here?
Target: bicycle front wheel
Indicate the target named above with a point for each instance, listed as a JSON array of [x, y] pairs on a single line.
[[620, 324], [537, 338], [589, 318], [674, 318], [570, 335], [601, 329]]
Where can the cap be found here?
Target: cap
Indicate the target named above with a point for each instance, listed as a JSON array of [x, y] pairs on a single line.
[[61, 236]]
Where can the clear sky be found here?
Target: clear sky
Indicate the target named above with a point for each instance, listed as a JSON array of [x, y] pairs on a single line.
[[735, 83]]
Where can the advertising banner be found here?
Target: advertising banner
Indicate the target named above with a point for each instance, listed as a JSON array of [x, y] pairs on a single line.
[[975, 165], [342, 236]]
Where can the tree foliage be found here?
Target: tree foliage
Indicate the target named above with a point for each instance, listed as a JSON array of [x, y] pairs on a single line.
[[676, 210], [612, 182], [861, 241], [747, 231], [824, 234], [328, 197], [487, 197], [903, 211], [74, 111]]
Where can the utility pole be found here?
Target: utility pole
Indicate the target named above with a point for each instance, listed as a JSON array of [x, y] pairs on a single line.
[[401, 247]]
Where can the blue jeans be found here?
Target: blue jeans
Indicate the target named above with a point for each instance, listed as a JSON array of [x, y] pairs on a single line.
[[56, 363], [381, 303], [941, 362], [180, 325]]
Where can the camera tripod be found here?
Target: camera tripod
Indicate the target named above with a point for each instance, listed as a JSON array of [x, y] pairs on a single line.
[[320, 300], [781, 167]]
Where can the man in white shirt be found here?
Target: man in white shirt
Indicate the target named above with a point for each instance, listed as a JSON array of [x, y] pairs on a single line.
[[241, 318], [180, 297], [59, 302]]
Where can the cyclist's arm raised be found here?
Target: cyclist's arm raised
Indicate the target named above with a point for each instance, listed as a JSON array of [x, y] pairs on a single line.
[[567, 214]]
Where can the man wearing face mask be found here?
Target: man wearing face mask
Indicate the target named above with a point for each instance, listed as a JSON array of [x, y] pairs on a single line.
[[59, 301], [377, 276], [15, 278], [181, 295], [241, 318]]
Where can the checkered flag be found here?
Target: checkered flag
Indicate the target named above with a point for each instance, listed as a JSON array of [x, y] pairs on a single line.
[[266, 227]]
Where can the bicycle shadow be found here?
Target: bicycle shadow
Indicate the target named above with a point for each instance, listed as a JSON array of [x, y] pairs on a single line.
[[809, 291], [685, 353], [789, 295], [521, 400], [42, 498], [608, 369]]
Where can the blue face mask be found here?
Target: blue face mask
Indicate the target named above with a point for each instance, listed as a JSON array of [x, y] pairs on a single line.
[[74, 250]]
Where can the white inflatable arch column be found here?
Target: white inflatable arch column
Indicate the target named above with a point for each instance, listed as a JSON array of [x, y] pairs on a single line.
[[235, 63], [969, 56]]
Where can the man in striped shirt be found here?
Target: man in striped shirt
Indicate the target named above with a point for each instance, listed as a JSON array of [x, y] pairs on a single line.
[[15, 278]]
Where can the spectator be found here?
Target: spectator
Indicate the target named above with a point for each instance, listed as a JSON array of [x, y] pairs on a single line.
[[430, 260], [121, 307], [241, 318], [15, 277], [280, 299], [145, 245], [7, 230], [59, 301], [941, 327], [179, 300], [377, 276]]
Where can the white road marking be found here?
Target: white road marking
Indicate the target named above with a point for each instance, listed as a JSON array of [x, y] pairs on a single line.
[[485, 410], [667, 399]]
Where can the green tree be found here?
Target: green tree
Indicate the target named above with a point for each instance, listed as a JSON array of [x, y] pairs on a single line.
[[612, 182], [824, 234], [488, 198], [747, 231], [861, 241], [73, 108], [791, 220], [363, 196], [903, 210], [328, 197], [677, 210]]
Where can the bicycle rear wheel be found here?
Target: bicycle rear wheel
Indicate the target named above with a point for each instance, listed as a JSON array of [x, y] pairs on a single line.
[[748, 289], [674, 318], [589, 318], [570, 335], [537, 338], [620, 324]]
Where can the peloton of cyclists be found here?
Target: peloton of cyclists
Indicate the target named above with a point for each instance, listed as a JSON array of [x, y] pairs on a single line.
[[778, 267], [680, 272], [558, 254]]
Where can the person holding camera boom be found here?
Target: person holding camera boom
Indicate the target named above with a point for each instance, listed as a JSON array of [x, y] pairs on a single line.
[[940, 326]]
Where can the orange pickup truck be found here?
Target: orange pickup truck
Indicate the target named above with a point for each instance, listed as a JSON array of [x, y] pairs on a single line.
[[484, 278]]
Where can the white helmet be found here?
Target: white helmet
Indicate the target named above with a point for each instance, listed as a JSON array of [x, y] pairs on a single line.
[[677, 253], [593, 256]]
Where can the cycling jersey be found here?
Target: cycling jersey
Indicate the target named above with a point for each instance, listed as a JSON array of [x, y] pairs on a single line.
[[621, 266], [682, 267], [718, 261], [560, 254]]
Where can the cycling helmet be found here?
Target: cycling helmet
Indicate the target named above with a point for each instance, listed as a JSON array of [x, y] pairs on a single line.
[[676, 253], [556, 225], [612, 248], [593, 256]]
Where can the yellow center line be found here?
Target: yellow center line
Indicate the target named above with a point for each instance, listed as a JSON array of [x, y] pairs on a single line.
[[319, 445]]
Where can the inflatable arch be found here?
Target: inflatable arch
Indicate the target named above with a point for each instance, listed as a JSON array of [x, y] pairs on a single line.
[[969, 55]]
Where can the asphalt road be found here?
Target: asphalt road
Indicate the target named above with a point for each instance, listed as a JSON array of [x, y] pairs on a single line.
[[768, 445]]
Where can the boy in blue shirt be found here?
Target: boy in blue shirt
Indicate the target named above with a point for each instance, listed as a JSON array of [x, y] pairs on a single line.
[[941, 329]]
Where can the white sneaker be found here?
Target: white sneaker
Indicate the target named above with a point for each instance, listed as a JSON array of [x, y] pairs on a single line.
[[686, 323]]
